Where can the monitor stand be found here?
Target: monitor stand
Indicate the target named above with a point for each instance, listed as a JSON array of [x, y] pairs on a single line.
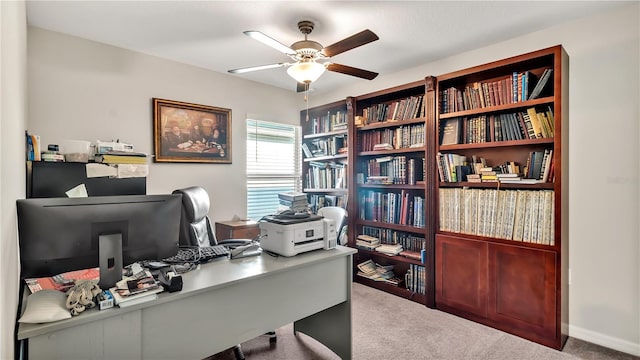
[[110, 253]]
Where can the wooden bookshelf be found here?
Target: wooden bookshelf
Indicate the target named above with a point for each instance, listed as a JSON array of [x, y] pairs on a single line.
[[397, 209], [325, 142], [492, 265]]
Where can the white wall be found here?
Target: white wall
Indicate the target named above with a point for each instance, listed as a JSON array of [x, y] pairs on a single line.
[[79, 89], [13, 110], [604, 91]]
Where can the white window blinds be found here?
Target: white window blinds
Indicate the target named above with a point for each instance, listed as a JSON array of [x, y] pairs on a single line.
[[273, 165]]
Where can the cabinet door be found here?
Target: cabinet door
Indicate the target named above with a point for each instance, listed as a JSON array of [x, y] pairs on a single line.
[[461, 274], [523, 289]]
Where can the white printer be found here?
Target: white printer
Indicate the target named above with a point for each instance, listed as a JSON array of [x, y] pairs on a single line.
[[292, 236]]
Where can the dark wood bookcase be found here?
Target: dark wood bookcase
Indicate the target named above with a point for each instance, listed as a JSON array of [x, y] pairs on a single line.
[[493, 265], [390, 191], [325, 142]]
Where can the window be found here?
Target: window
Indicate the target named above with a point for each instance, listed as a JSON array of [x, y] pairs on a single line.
[[273, 165]]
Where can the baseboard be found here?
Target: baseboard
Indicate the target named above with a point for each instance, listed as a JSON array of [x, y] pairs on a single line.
[[604, 340]]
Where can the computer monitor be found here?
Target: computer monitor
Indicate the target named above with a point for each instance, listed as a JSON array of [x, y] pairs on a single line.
[[58, 235]]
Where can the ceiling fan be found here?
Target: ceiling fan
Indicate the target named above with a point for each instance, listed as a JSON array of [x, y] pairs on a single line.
[[306, 54]]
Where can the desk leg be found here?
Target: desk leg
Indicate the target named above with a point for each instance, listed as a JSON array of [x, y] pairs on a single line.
[[331, 327]]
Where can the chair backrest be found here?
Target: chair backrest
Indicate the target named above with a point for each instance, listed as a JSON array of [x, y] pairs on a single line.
[[195, 227], [339, 216]]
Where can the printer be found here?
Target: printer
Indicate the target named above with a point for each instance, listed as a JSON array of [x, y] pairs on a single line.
[[292, 236]]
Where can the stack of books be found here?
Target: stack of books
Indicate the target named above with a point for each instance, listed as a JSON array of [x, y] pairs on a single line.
[[122, 157], [383, 146], [390, 249], [296, 201], [376, 272], [138, 288], [367, 242]]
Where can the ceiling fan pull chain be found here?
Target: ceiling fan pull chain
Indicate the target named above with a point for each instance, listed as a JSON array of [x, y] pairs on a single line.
[[306, 98]]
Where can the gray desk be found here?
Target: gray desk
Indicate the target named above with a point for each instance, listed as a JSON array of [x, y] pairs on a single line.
[[222, 304]]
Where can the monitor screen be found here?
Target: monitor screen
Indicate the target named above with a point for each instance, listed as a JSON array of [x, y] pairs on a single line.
[[58, 235]]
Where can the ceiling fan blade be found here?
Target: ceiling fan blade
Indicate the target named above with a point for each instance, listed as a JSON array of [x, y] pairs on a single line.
[[255, 68], [301, 87], [344, 69], [269, 41], [353, 41]]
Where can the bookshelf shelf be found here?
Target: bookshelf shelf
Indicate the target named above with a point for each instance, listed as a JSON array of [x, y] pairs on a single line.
[[326, 190], [497, 144], [495, 185], [325, 134], [328, 157], [506, 242], [420, 149], [499, 108]]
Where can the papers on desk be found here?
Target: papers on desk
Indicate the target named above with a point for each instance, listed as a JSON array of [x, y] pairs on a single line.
[[135, 290], [61, 282]]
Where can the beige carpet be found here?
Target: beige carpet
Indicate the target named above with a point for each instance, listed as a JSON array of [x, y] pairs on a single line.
[[389, 327]]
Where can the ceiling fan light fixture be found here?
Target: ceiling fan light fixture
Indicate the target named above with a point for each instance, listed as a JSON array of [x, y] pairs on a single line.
[[306, 71]]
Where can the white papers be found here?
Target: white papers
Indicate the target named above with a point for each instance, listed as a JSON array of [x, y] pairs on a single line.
[[77, 192]]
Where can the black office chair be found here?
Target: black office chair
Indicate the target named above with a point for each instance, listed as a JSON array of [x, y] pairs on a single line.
[[195, 226], [196, 230]]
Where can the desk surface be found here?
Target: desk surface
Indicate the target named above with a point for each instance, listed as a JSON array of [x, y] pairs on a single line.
[[208, 277]]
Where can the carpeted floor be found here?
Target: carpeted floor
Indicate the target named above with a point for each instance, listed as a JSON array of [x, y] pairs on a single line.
[[389, 327]]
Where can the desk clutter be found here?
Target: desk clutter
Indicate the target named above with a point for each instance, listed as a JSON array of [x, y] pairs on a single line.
[[119, 156], [69, 294]]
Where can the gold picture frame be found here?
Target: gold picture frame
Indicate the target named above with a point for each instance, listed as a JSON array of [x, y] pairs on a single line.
[[191, 133]]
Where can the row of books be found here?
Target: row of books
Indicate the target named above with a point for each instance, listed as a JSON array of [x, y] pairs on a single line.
[[455, 168], [530, 124], [328, 122], [415, 279], [407, 240], [401, 137], [318, 201], [392, 168], [393, 208], [519, 215], [321, 175], [405, 109], [519, 86], [329, 146]]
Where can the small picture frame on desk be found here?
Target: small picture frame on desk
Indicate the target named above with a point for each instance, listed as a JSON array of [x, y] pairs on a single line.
[[191, 133]]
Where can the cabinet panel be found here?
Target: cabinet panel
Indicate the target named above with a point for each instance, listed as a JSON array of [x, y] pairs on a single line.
[[461, 274], [523, 288]]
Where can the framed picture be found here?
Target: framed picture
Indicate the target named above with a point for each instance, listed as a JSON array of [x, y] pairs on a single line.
[[184, 132]]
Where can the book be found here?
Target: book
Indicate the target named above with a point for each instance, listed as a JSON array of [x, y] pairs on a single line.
[[120, 159], [63, 281], [450, 131], [137, 298], [535, 122], [541, 85], [292, 196]]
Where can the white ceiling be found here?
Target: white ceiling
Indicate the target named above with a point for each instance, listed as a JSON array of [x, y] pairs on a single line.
[[208, 34]]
